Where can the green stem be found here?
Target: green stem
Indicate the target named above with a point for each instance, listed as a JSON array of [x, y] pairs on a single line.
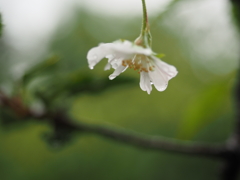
[[145, 39], [145, 19]]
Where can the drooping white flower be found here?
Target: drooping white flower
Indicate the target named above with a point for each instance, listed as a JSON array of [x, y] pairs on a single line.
[[124, 54]]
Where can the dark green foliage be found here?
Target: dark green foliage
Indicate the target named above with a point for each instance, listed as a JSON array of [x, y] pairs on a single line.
[[236, 11], [45, 67], [8, 118], [49, 84]]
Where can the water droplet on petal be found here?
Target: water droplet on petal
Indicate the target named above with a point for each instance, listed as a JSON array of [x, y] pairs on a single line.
[[163, 88]]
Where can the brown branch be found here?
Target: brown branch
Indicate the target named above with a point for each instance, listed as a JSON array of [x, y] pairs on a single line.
[[140, 140], [154, 142], [60, 120]]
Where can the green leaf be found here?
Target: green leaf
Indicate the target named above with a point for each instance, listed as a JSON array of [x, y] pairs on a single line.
[[236, 13], [122, 40]]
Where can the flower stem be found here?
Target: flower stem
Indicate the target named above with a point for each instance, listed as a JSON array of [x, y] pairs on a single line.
[[145, 38], [145, 26]]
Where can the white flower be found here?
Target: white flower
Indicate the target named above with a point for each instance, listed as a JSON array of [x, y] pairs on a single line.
[[124, 54]]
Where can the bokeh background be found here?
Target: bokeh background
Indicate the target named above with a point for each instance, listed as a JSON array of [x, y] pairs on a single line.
[[43, 56]]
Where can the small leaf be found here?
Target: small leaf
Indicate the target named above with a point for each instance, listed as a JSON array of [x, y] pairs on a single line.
[[121, 40], [160, 55]]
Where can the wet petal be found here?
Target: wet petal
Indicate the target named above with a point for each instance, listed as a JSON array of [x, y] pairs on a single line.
[[161, 74], [116, 63], [153, 70], [128, 48], [97, 53], [107, 67], [145, 82], [169, 70], [159, 79], [117, 71]]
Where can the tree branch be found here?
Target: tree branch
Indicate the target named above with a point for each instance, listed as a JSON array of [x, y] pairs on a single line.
[[60, 120], [154, 142]]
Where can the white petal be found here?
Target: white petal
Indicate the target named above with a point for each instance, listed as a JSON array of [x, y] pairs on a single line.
[[116, 63], [127, 47], [95, 55], [162, 73], [107, 67], [159, 79], [116, 50], [117, 71], [167, 69], [145, 82]]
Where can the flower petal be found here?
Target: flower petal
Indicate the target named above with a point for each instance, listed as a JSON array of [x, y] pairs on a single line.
[[117, 71], [120, 55], [94, 56], [162, 73], [107, 67], [97, 53], [167, 69], [145, 82], [159, 79], [127, 47], [115, 51]]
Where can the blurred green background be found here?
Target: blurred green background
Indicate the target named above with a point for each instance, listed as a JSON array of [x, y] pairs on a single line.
[[198, 37]]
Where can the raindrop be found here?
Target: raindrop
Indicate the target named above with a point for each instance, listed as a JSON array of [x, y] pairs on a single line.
[[163, 88]]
